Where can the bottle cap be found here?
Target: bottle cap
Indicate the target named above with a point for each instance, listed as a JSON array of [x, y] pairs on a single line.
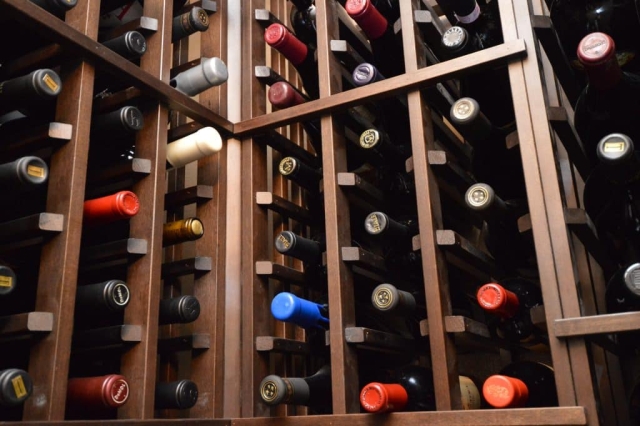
[[198, 19], [288, 307], [195, 227], [122, 205], [632, 278], [99, 391], [595, 49], [379, 398], [365, 73], [64, 5], [209, 73], [283, 95], [369, 138], [278, 37], [206, 141], [368, 17], [455, 38], [188, 309], [285, 242], [186, 394], [136, 43], [117, 294], [46, 82], [376, 223], [464, 111], [288, 166], [480, 196], [32, 170], [8, 280], [496, 299], [273, 390], [131, 118], [615, 148], [126, 204], [504, 391], [15, 387]]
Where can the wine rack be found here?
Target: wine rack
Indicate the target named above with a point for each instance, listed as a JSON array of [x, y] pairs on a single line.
[[235, 342]]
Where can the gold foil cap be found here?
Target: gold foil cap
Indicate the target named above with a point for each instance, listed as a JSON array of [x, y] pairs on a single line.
[[369, 138], [287, 166]]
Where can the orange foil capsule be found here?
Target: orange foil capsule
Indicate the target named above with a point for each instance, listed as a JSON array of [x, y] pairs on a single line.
[[118, 206], [505, 392], [381, 398]]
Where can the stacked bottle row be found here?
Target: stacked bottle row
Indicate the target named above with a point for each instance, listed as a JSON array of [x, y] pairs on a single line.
[[35, 75], [493, 279]]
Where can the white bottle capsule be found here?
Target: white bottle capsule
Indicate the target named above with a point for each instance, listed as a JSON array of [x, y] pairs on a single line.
[[204, 142]]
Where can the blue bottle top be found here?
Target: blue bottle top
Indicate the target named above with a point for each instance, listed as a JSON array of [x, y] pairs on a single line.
[[288, 307]]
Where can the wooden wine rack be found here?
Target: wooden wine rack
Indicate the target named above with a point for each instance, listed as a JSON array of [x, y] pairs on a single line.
[[228, 359]]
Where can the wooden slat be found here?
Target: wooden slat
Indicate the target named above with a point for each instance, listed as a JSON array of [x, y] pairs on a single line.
[[144, 25], [462, 248], [114, 250], [31, 15], [280, 272], [597, 324], [559, 121], [192, 342], [183, 197], [35, 138], [37, 225], [286, 208], [30, 323], [194, 265], [360, 257], [49, 358], [107, 336], [393, 86], [278, 344], [378, 340]]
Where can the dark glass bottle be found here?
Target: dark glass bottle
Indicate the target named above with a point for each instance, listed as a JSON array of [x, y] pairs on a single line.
[[304, 313], [130, 45], [8, 280], [101, 298], [503, 238], [376, 18], [303, 21], [522, 384], [382, 152], [574, 19], [623, 289], [492, 162], [114, 13], [389, 299], [182, 230], [490, 87], [23, 174], [412, 390], [181, 394], [209, 73], [15, 387], [119, 206], [117, 124], [312, 391], [196, 20], [56, 7], [298, 172], [308, 250], [611, 196], [89, 397], [179, 310], [301, 56], [29, 93], [511, 302], [611, 100]]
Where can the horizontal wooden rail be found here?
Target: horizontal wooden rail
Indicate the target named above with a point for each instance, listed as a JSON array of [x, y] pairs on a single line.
[[597, 324]]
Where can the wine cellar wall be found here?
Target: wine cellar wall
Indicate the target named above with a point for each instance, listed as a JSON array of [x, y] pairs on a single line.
[[382, 240]]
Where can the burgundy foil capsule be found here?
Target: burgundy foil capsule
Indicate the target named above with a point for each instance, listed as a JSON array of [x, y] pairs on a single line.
[[597, 53], [283, 95], [97, 393], [368, 17], [121, 205], [278, 37]]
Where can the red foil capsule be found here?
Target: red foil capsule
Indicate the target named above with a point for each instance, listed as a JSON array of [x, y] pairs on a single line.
[[381, 398], [98, 393], [283, 95], [497, 300], [121, 205], [278, 37], [597, 53], [368, 17]]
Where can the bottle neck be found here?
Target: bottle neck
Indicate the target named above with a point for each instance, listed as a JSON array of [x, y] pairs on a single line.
[[467, 12], [605, 76]]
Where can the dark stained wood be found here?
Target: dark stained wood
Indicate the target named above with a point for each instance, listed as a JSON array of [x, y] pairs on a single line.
[[210, 6], [37, 225], [183, 130], [45, 57], [360, 257], [353, 184], [29, 323], [418, 79], [377, 340], [193, 194], [194, 342], [460, 247], [144, 25], [278, 344], [109, 61], [184, 66], [121, 249], [168, 422], [265, 18], [112, 101], [286, 147], [267, 75], [567, 134], [194, 265], [597, 324], [35, 138], [137, 168], [346, 54], [286, 208], [107, 336], [280, 272]]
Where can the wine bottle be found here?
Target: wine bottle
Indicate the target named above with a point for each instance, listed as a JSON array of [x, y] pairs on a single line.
[[398, 233], [23, 174], [492, 161], [376, 18], [196, 20], [117, 124], [303, 21], [301, 56], [503, 238], [611, 100], [575, 19], [101, 298], [114, 13], [490, 87], [381, 151], [179, 310], [282, 95], [209, 73], [56, 7], [511, 301], [103, 210], [521, 384], [90, 396], [130, 45], [610, 197], [482, 22], [308, 250], [623, 289], [29, 93], [312, 391], [206, 141], [181, 231], [180, 394], [391, 300], [298, 172], [288, 307], [15, 387], [8, 280], [412, 391]]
